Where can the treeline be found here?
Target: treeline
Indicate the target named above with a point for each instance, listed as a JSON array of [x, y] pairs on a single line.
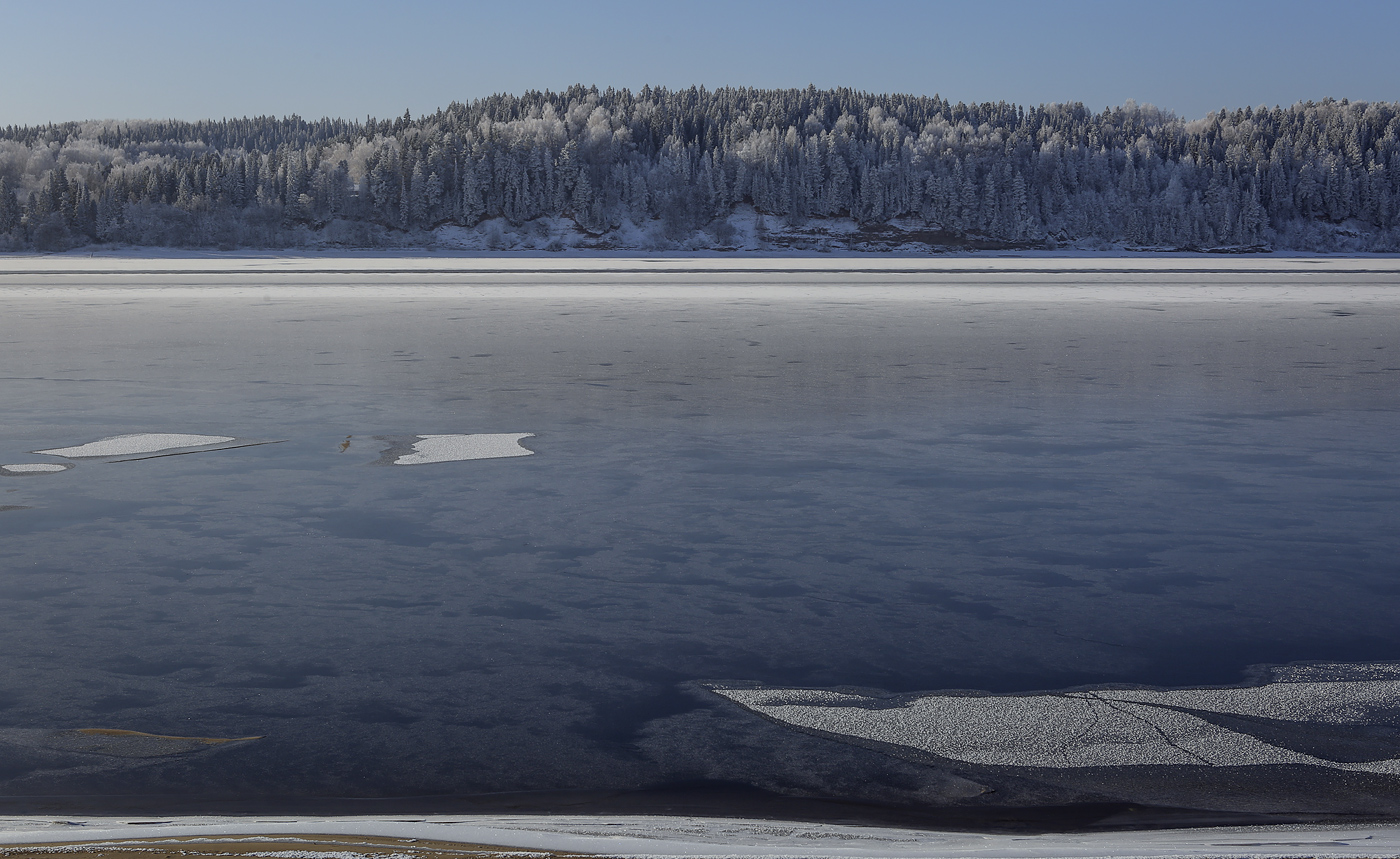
[[1315, 176]]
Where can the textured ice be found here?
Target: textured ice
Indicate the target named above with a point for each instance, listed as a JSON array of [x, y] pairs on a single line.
[[34, 468], [142, 442], [1110, 727], [453, 448]]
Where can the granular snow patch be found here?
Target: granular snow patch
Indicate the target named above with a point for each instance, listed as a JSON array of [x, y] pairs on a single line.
[[33, 468], [143, 442], [454, 448]]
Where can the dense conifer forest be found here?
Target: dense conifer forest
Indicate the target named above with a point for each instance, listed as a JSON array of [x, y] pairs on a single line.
[[727, 168]]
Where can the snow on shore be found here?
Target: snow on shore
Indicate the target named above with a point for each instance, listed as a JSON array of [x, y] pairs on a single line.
[[717, 837]]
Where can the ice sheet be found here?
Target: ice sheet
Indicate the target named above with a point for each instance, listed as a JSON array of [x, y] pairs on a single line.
[[1107, 727], [904, 481]]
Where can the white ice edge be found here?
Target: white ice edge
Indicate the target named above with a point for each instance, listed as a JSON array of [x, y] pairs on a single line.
[[133, 262], [1310, 287], [134, 443], [638, 836], [33, 468], [457, 448]]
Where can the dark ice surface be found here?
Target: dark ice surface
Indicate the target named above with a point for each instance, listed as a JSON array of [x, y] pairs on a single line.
[[889, 488]]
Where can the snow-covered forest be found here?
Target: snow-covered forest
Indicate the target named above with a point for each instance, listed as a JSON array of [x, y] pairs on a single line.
[[728, 168]]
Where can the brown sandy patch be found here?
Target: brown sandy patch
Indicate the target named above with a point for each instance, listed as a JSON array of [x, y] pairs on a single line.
[[118, 743], [116, 732], [279, 847]]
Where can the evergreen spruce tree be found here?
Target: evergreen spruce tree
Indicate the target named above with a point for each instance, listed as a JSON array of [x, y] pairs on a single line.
[[9, 208]]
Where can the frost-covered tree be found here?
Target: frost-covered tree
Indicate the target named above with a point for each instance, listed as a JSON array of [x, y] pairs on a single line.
[[988, 173]]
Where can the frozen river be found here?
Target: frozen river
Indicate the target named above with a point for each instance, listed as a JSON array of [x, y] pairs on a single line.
[[434, 527]]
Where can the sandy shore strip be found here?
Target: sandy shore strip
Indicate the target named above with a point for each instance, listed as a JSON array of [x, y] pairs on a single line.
[[114, 742], [640, 836], [284, 847]]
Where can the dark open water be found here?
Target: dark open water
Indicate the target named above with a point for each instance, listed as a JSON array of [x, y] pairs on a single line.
[[798, 487]]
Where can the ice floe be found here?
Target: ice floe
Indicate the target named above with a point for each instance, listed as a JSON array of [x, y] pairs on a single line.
[[455, 448], [29, 468], [1114, 727], [136, 443]]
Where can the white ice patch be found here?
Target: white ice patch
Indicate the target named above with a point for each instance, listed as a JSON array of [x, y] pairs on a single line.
[[141, 442], [1106, 727], [455, 448], [33, 468]]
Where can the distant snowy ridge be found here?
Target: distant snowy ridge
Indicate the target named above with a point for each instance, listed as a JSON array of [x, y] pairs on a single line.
[[731, 168]]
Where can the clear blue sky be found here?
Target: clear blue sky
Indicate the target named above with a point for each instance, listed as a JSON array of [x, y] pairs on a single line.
[[82, 59]]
